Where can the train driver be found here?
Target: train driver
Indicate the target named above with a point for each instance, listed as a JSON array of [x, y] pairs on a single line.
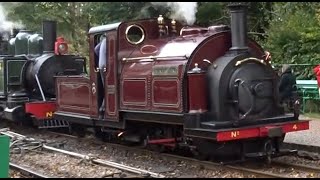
[[287, 83], [101, 51]]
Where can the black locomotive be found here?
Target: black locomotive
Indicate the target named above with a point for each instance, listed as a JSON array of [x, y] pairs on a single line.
[[28, 66]]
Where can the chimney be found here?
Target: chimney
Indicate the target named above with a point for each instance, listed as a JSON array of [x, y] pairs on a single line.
[[49, 31], [14, 32], [239, 32]]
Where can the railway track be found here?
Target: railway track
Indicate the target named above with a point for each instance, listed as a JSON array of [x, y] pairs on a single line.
[[299, 167], [124, 170], [260, 173], [250, 171], [26, 172]]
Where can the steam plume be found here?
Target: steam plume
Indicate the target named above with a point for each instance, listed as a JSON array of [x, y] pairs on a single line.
[[183, 11], [6, 26]]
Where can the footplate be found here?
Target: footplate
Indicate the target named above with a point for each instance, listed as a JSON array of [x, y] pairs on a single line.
[[52, 123]]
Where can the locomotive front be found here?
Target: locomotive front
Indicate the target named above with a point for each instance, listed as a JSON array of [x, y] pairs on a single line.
[[239, 107], [40, 72], [242, 87]]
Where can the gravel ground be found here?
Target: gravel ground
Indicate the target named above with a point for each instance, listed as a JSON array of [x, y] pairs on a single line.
[[15, 174], [66, 166], [307, 137], [59, 165], [285, 171]]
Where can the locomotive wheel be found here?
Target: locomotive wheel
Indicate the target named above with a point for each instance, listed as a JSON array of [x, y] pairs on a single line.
[[98, 134], [268, 151], [161, 148], [201, 156], [79, 130], [200, 149]]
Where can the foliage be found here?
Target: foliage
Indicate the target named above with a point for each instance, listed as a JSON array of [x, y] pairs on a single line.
[[210, 13], [289, 30], [293, 36], [72, 23]]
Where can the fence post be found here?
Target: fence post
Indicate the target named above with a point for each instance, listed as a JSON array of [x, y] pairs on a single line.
[[4, 156]]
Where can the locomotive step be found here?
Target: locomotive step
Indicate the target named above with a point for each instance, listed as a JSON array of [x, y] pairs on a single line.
[[52, 124]]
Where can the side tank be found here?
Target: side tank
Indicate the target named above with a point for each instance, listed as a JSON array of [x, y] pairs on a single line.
[[21, 42], [12, 46], [35, 46]]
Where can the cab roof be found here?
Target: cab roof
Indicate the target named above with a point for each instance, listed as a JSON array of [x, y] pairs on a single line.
[[104, 28]]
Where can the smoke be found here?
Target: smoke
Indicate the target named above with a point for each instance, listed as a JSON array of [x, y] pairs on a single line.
[[182, 11], [5, 25]]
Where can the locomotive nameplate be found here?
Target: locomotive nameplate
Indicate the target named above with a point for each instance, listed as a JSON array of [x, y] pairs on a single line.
[[165, 70]]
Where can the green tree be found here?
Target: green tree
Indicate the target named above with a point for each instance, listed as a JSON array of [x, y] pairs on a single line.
[[75, 18], [71, 21], [294, 35]]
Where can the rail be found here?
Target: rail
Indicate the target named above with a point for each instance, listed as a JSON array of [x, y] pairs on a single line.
[[206, 164], [264, 172], [298, 166], [132, 170], [27, 172]]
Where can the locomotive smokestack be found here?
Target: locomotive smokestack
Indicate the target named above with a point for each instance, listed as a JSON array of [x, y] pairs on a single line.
[[49, 31], [239, 34]]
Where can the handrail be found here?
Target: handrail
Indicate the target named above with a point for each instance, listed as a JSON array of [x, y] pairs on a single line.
[[154, 57], [39, 85]]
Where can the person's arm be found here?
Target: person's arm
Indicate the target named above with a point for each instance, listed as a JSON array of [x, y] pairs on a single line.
[[316, 69], [283, 82], [103, 54]]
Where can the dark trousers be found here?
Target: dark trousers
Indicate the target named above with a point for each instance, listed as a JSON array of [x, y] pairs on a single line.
[[102, 107]]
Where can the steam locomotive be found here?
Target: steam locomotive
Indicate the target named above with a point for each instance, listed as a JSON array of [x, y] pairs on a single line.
[[28, 66], [169, 86]]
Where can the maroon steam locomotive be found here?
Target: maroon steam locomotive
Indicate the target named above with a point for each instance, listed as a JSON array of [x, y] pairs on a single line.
[[168, 85]]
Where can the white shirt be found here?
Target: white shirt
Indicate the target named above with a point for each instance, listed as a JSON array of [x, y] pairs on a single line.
[[103, 54]]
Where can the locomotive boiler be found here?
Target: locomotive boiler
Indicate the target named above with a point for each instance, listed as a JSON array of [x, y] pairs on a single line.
[[27, 72], [170, 86]]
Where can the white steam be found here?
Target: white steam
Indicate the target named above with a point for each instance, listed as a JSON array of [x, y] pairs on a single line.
[[5, 25], [183, 11]]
